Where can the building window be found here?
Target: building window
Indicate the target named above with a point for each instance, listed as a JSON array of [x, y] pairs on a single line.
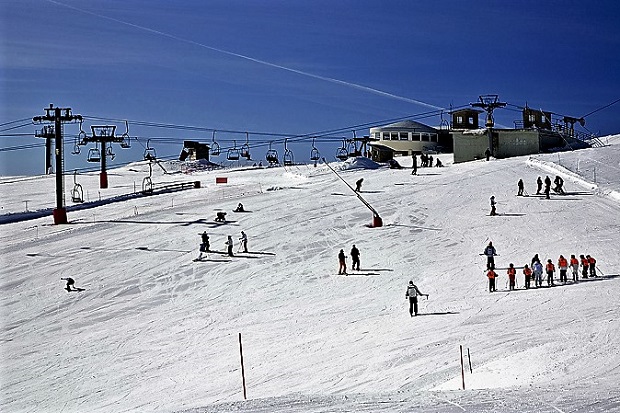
[[426, 137], [471, 120], [404, 136], [394, 136], [459, 119], [433, 137], [415, 136]]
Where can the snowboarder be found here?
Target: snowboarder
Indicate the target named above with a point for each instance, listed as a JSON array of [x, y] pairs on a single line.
[[527, 272], [512, 275], [574, 265], [490, 253], [487, 153], [71, 285], [358, 185], [592, 266], [491, 275], [547, 186], [229, 244], [493, 203], [355, 258], [550, 268], [220, 217], [584, 266], [239, 208], [244, 242], [412, 294], [539, 185], [563, 266], [342, 260], [521, 187], [537, 268]]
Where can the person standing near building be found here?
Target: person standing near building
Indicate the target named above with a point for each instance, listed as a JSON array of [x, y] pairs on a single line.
[[563, 266], [527, 272], [547, 186], [539, 185], [490, 253], [491, 275], [537, 269], [550, 268], [415, 164], [355, 258], [412, 294], [574, 265], [342, 260], [487, 153]]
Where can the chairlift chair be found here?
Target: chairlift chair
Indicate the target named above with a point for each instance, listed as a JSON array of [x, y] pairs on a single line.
[[215, 147], [76, 147], [314, 153], [77, 193], [149, 153], [287, 158], [272, 156], [109, 152], [233, 153], [352, 148], [342, 152], [94, 155], [245, 148], [126, 142]]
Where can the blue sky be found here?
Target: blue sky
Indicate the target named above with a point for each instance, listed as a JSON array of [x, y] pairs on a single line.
[[290, 68]]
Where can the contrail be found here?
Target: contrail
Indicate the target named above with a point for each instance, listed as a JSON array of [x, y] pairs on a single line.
[[252, 59]]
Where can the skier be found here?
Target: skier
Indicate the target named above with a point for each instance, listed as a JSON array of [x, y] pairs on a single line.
[[229, 244], [490, 252], [71, 285], [487, 153], [342, 260], [521, 187], [358, 185], [412, 293], [355, 258], [527, 271], [584, 265], [539, 184], [493, 210], [559, 183], [512, 274], [244, 241], [563, 266], [537, 269], [204, 244], [547, 186], [574, 264], [550, 268], [491, 275], [592, 266]]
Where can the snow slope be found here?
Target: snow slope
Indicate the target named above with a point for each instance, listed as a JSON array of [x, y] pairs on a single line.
[[155, 331]]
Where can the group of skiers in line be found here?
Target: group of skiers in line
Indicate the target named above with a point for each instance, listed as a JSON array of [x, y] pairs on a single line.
[[342, 261], [535, 269], [425, 161], [205, 246], [558, 188]]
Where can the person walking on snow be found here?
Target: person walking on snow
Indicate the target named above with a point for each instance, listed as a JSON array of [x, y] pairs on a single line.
[[537, 269], [412, 294], [415, 165], [491, 275], [229, 244], [342, 260], [490, 253], [550, 268], [563, 266], [512, 275], [355, 258], [547, 186], [244, 241], [574, 265], [527, 271], [521, 187]]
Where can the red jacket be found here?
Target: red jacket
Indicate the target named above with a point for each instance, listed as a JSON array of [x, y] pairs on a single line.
[[550, 267]]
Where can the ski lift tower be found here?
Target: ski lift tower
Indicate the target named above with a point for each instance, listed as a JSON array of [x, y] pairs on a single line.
[[104, 134], [58, 116], [489, 103]]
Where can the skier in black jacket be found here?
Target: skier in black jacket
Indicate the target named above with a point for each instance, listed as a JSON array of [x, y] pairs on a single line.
[[412, 293]]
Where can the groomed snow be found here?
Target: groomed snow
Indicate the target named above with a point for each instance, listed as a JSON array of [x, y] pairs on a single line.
[[156, 332]]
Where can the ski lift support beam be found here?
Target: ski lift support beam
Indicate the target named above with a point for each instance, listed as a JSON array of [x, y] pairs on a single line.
[[376, 219]]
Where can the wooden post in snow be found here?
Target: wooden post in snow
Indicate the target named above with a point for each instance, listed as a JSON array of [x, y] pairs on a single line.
[[242, 369], [462, 367]]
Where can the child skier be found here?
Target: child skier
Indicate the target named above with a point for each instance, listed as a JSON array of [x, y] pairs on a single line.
[[550, 268], [537, 269], [229, 244], [527, 272], [512, 275], [492, 275], [574, 265]]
